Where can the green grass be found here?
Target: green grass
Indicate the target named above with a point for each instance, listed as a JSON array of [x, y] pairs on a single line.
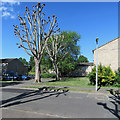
[[69, 82], [55, 88], [9, 81], [72, 82]]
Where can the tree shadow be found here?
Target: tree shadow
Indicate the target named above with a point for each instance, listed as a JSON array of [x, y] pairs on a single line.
[[115, 100], [41, 91]]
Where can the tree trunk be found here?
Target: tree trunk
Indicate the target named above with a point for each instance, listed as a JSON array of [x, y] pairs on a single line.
[[56, 71], [37, 71]]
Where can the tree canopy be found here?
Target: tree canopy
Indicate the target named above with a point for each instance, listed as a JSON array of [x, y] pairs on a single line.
[[23, 60], [82, 59]]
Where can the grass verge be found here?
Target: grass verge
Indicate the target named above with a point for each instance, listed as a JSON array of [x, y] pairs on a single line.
[[56, 88], [9, 81], [69, 82], [72, 82]]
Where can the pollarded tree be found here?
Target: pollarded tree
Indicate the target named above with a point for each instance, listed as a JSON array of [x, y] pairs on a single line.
[[33, 36], [55, 49]]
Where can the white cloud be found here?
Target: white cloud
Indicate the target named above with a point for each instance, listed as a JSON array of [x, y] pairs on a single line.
[[5, 14], [8, 14], [7, 8], [3, 8]]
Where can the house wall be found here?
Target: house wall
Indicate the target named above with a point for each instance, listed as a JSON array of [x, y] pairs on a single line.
[[108, 54], [81, 71], [17, 66], [89, 69], [119, 53]]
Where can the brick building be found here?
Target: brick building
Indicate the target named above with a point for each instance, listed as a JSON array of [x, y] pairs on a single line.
[[109, 54]]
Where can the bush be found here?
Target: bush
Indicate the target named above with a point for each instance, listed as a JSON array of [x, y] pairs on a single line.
[[48, 75], [106, 76], [117, 78], [44, 75], [31, 73]]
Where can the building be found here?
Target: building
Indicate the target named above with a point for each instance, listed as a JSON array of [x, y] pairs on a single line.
[[108, 54], [13, 64], [82, 70]]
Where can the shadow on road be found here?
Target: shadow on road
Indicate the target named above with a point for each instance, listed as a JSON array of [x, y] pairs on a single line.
[[115, 100], [42, 92], [9, 84]]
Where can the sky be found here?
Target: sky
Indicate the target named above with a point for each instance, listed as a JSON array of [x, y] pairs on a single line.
[[89, 19]]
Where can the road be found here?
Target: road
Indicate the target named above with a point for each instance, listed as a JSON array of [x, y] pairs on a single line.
[[24, 103]]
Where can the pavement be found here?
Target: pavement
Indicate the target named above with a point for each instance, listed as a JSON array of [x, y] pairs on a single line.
[[20, 102]]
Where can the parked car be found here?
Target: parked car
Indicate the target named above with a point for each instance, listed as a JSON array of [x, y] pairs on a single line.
[[25, 77], [9, 75]]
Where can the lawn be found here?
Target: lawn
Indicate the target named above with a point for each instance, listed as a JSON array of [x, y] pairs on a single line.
[[72, 82], [9, 81], [69, 82]]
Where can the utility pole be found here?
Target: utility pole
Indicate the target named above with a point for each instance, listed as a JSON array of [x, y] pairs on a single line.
[[97, 63]]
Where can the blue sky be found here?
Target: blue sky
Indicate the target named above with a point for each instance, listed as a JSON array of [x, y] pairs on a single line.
[[89, 19]]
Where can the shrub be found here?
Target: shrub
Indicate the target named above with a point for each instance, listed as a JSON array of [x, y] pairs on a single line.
[[48, 75], [31, 73], [45, 75], [105, 76], [117, 78]]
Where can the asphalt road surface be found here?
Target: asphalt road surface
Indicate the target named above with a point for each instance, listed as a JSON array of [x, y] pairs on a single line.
[[23, 103]]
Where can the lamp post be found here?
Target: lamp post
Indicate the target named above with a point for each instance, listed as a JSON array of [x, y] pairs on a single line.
[[97, 63]]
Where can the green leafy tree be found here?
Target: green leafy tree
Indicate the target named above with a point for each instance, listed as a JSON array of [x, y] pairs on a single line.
[[46, 64], [69, 62], [32, 64], [23, 60], [82, 59], [67, 65]]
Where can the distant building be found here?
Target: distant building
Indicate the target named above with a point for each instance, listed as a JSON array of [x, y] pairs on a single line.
[[82, 70], [13, 64], [109, 54]]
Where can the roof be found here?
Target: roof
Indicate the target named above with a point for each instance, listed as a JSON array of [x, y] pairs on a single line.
[[85, 64], [106, 43], [7, 60]]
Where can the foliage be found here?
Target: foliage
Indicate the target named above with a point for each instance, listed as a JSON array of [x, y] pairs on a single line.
[[105, 76], [33, 69], [31, 73], [32, 62], [117, 78], [56, 51], [82, 59], [69, 62], [23, 60], [46, 64], [48, 75], [71, 39], [67, 65]]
